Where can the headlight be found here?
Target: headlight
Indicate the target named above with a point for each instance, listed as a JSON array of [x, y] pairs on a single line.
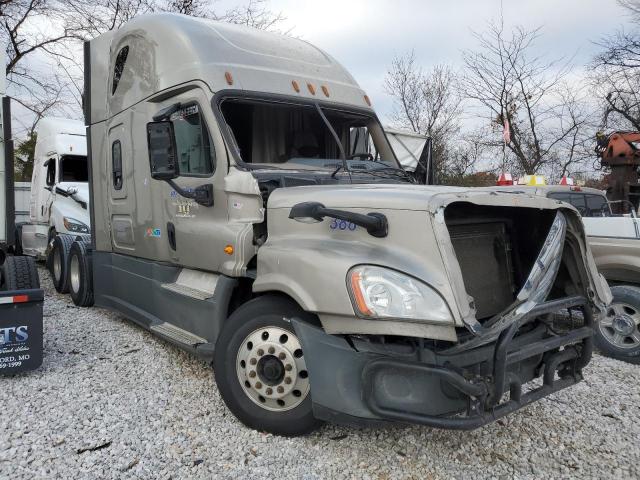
[[378, 292], [76, 226]]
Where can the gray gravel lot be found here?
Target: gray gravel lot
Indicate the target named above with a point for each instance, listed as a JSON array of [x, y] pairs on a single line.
[[112, 401]]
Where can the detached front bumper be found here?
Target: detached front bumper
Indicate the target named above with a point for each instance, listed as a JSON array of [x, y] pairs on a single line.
[[354, 381]]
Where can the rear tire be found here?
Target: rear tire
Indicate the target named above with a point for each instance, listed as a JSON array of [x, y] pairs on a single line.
[[59, 260], [80, 275], [260, 371], [19, 273], [617, 334]]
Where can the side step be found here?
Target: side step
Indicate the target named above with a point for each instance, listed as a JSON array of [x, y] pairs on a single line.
[[194, 284], [177, 334]]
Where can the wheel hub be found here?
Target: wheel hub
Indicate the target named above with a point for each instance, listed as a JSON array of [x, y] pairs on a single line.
[[272, 370], [623, 324], [74, 274], [620, 326], [57, 265]]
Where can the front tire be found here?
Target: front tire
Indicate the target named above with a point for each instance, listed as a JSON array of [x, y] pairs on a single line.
[[618, 331], [260, 369]]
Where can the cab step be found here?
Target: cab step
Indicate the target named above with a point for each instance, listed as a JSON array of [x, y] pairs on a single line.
[[194, 284], [177, 334]]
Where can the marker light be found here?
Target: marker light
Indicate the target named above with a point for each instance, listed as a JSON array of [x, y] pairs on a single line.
[[311, 88], [228, 249], [295, 86], [378, 292], [228, 78], [325, 90], [366, 99]]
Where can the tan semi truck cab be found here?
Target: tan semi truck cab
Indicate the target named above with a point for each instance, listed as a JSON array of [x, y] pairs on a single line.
[[247, 206]]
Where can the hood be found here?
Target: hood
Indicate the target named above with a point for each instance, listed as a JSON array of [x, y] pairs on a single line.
[[82, 190], [405, 197]]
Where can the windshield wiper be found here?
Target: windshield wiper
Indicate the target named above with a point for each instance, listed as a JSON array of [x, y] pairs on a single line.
[[343, 155]]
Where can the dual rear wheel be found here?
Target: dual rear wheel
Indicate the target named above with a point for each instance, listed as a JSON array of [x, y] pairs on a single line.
[[70, 266]]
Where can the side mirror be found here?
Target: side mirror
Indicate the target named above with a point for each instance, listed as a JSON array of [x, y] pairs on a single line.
[[162, 151], [51, 172]]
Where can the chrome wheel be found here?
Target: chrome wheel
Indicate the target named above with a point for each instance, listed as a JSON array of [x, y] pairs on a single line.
[[57, 264], [621, 325], [271, 369], [74, 273]]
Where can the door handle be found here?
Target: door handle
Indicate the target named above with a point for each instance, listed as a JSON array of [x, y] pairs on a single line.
[[171, 235]]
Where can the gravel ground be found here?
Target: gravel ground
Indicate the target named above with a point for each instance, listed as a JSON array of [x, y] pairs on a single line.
[[112, 401]]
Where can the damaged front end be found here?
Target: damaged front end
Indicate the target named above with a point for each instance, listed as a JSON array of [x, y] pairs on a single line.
[[530, 296]]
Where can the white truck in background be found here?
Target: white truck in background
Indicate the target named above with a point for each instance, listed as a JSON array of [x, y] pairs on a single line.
[[59, 189]]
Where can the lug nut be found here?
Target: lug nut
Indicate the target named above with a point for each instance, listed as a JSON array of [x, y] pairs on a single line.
[[287, 380], [282, 356], [252, 374], [253, 361], [288, 368], [280, 389], [269, 391], [258, 385], [272, 350], [260, 352]]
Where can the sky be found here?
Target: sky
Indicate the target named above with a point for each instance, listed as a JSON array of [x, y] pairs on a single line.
[[365, 35]]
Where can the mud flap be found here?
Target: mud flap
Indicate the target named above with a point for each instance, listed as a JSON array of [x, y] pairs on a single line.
[[20, 330]]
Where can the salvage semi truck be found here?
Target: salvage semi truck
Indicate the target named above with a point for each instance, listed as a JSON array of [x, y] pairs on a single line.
[[234, 214], [59, 186]]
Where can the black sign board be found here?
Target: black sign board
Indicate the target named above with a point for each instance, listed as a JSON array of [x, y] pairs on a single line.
[[20, 330]]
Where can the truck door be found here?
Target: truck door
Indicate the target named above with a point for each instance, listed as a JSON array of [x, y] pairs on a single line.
[[190, 229], [118, 168]]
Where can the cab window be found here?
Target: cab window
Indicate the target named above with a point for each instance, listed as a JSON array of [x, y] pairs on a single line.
[[193, 143], [589, 205], [73, 168], [597, 206]]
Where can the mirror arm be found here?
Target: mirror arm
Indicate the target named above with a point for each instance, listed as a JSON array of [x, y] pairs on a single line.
[[203, 194]]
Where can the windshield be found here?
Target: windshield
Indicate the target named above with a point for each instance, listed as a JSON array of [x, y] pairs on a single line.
[[295, 136], [73, 168]]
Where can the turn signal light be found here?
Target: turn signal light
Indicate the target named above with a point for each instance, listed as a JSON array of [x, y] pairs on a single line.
[[228, 249], [358, 296]]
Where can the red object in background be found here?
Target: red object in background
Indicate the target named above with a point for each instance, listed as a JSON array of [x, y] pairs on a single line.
[[566, 181], [504, 179]]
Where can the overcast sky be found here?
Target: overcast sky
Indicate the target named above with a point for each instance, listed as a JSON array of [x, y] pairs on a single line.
[[365, 35]]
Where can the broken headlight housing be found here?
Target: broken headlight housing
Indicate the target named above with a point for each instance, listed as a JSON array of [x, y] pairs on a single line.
[[378, 292]]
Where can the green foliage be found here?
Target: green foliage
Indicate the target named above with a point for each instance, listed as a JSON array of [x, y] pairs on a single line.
[[23, 155]]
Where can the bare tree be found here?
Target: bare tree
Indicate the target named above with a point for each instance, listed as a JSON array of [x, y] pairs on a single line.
[[616, 77], [425, 102], [32, 31], [517, 90]]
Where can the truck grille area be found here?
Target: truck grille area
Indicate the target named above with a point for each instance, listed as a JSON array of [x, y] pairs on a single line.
[[495, 248]]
